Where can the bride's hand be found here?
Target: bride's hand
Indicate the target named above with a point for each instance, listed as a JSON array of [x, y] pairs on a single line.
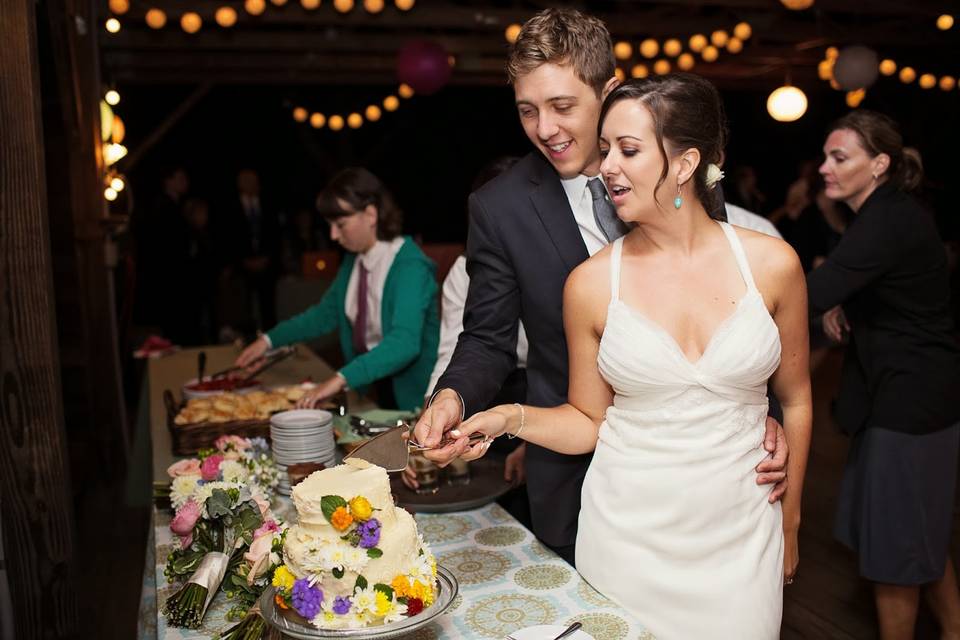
[[791, 556], [491, 423]]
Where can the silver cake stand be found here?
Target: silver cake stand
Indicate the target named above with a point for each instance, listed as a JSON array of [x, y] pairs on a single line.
[[446, 592]]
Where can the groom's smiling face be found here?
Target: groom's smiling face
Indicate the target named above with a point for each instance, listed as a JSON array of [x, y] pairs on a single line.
[[559, 114]]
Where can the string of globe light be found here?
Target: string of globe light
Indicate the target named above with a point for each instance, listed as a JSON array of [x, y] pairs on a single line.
[[650, 48], [226, 16], [886, 67], [353, 120]]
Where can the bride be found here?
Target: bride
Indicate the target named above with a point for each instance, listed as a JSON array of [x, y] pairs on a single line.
[[673, 333]]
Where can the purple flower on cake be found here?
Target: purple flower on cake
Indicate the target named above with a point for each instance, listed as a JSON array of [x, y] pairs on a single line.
[[306, 599], [341, 605], [210, 469], [369, 532]]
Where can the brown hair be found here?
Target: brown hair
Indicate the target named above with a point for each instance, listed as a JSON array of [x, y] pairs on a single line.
[[878, 134], [687, 114], [358, 188], [564, 36]]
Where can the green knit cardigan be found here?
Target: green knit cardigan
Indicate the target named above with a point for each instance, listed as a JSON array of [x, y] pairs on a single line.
[[410, 321]]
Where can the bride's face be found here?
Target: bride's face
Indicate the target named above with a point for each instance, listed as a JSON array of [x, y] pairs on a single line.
[[632, 162]]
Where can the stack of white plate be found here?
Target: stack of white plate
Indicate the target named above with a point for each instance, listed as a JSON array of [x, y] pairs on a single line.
[[301, 435]]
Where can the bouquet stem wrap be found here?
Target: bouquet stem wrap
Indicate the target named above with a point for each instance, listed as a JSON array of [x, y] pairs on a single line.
[[210, 574]]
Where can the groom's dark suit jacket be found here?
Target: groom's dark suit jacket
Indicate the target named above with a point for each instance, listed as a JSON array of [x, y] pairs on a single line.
[[523, 243]]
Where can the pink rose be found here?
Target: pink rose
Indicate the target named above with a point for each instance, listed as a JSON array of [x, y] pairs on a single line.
[[240, 444], [268, 527], [190, 467], [183, 522], [186, 540], [263, 504], [210, 469], [259, 556]]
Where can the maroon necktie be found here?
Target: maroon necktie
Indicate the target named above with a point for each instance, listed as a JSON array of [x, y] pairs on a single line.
[[360, 326]]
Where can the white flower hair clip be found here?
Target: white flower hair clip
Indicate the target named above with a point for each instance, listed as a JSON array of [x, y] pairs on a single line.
[[714, 175]]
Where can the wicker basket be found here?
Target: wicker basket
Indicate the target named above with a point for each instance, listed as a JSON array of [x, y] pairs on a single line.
[[189, 438]]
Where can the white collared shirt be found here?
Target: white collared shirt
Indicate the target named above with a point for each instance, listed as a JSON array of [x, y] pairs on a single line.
[[455, 287], [377, 260], [581, 202]]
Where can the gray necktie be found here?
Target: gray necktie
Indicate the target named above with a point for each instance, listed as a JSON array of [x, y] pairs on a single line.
[[604, 212]]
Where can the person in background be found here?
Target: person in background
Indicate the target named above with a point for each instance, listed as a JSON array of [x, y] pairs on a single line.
[[383, 301], [160, 234], [884, 289], [746, 192], [304, 235], [252, 239], [198, 289]]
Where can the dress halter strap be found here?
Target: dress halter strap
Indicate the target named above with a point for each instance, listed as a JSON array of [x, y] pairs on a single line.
[[615, 268], [739, 254]]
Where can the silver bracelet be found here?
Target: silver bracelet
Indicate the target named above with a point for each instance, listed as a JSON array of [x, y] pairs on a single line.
[[523, 422]]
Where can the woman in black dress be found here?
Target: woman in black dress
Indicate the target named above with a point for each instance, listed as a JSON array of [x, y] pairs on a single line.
[[885, 288]]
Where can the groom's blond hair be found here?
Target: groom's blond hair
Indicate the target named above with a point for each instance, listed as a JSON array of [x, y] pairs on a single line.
[[564, 37]]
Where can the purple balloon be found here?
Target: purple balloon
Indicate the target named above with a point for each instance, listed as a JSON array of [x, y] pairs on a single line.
[[423, 65]]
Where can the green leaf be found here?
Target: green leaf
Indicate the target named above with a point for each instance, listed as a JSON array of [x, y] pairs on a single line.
[[386, 589], [361, 583], [329, 504], [374, 553], [337, 572], [218, 504]]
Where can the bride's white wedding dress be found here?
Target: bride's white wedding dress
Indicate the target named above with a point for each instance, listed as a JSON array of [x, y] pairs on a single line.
[[673, 525]]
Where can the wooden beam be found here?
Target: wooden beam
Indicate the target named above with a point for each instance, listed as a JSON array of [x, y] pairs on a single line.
[[36, 513]]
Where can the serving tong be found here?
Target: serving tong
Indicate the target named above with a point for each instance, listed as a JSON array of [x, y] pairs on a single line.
[[267, 360]]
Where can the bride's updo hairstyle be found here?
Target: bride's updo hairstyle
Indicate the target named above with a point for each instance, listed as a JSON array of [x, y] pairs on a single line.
[[687, 113]]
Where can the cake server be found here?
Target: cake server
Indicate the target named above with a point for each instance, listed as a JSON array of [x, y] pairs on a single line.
[[392, 448]]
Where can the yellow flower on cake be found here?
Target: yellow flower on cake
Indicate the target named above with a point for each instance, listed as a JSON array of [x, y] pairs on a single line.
[[384, 605], [283, 579], [401, 586], [341, 519], [361, 509]]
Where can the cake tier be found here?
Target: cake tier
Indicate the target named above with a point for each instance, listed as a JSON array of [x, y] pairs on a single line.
[[353, 478]]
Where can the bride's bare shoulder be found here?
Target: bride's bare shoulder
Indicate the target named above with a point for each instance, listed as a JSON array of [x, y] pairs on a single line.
[[767, 254], [590, 280]]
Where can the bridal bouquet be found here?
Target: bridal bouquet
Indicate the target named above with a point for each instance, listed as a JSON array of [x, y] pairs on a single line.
[[232, 460], [250, 578], [214, 533]]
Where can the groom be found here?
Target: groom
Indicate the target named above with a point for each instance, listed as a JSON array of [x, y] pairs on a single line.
[[529, 228]]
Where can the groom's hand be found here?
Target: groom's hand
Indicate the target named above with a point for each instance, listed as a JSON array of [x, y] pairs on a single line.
[[773, 470], [443, 414]]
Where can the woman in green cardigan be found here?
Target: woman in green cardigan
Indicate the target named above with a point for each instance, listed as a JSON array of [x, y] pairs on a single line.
[[383, 301]]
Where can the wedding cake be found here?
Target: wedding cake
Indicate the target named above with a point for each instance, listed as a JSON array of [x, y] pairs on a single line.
[[354, 559]]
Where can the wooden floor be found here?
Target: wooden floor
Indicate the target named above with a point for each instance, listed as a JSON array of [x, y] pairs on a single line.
[[827, 599]]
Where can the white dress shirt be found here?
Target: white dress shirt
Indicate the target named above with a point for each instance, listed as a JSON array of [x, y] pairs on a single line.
[[581, 203], [377, 260], [455, 287], [749, 220]]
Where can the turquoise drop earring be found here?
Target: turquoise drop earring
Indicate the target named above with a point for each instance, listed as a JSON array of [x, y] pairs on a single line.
[[678, 200]]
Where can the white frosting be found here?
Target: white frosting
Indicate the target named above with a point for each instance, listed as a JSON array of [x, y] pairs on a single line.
[[314, 546]]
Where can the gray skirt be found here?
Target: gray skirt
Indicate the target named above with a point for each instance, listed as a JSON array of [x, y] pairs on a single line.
[[896, 503]]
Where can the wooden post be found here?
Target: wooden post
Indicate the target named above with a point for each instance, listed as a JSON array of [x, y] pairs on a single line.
[[35, 511]]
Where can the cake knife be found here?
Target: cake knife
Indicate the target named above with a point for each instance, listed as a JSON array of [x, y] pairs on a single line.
[[391, 449]]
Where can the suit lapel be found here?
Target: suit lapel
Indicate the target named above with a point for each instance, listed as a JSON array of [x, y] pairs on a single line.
[[551, 204]]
